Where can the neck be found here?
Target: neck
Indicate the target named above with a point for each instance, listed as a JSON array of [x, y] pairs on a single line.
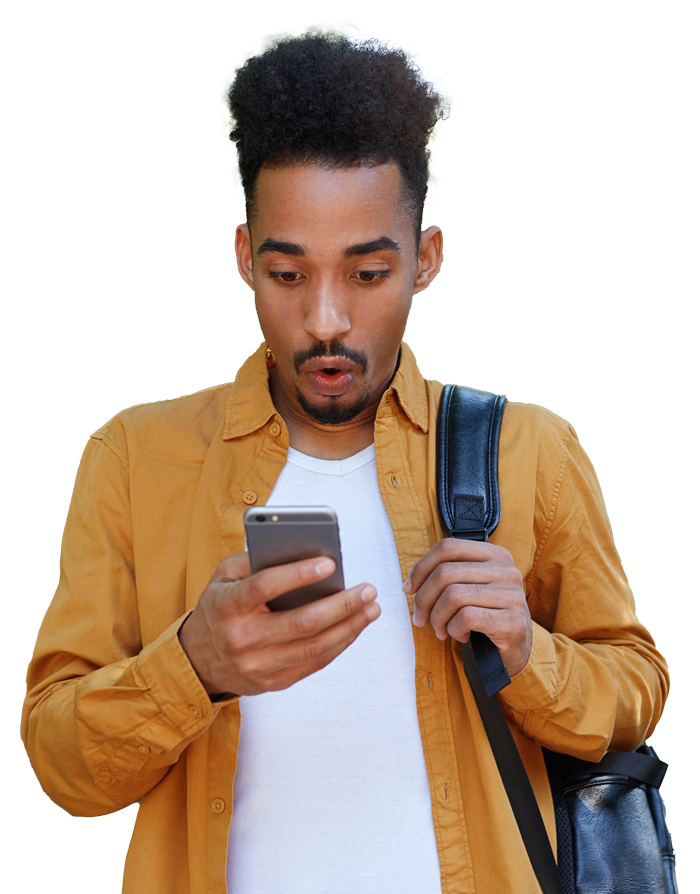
[[324, 441], [337, 443]]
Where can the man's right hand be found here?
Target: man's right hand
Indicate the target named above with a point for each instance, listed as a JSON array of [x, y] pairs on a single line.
[[237, 645]]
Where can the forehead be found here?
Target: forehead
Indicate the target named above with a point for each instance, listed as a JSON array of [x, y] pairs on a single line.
[[311, 204]]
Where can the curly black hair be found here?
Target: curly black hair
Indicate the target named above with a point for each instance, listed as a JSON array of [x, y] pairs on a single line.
[[324, 98]]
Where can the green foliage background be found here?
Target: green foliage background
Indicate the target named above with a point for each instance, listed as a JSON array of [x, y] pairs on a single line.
[[450, 328]]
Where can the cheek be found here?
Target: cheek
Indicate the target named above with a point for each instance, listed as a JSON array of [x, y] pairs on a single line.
[[270, 309], [267, 318], [391, 317], [384, 332]]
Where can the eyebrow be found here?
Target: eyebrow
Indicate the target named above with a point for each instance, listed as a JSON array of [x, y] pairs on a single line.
[[367, 248], [383, 243], [284, 248]]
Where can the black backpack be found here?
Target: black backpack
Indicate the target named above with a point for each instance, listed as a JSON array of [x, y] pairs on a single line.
[[611, 828]]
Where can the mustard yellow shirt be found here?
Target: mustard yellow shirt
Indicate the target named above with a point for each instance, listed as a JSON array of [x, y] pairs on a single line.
[[115, 713]]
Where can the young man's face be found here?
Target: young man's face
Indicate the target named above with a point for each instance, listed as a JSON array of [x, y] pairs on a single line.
[[331, 255]]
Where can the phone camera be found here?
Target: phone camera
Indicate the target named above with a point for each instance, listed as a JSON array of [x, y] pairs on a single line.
[[259, 518]]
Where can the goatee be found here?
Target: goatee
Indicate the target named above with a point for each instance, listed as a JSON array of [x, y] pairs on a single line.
[[330, 412]]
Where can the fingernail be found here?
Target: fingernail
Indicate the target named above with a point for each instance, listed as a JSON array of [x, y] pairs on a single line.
[[407, 585], [368, 594], [325, 566]]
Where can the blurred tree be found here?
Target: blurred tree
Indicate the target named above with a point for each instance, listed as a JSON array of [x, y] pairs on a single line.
[[450, 328]]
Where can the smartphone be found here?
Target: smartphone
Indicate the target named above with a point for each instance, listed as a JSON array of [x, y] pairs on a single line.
[[278, 535]]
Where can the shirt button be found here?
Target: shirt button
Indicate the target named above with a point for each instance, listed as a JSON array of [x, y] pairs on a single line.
[[194, 711], [250, 497], [218, 806], [143, 749], [275, 429]]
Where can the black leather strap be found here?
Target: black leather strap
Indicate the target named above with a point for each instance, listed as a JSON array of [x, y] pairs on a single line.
[[469, 426]]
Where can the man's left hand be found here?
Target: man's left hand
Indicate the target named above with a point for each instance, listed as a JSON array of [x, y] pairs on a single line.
[[462, 585]]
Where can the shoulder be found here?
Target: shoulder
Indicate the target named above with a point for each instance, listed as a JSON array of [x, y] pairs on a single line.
[[525, 427], [536, 444], [182, 428], [534, 426]]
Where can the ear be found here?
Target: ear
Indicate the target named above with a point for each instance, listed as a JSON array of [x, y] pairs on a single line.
[[244, 253], [429, 258]]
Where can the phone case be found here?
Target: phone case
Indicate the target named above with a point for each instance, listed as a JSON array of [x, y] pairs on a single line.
[[278, 535]]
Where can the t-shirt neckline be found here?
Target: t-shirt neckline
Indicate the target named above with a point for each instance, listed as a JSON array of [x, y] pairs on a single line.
[[331, 466]]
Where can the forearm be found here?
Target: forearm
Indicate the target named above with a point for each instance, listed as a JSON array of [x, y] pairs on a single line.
[[102, 740], [585, 698], [594, 680]]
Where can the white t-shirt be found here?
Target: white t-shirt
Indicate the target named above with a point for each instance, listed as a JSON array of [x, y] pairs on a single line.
[[331, 793]]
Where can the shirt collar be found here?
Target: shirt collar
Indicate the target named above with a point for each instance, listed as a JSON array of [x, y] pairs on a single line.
[[250, 406], [410, 389]]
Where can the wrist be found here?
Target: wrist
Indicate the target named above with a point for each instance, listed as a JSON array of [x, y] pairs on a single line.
[[188, 644]]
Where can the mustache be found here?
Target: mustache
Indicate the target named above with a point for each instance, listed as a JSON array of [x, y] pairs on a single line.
[[335, 348]]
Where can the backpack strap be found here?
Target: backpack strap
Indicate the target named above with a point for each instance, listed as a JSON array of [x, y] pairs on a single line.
[[468, 429], [469, 426], [515, 780]]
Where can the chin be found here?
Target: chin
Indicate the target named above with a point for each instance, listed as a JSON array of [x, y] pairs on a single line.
[[334, 410]]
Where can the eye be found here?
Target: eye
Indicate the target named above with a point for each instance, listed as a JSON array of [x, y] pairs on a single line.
[[285, 276], [370, 276]]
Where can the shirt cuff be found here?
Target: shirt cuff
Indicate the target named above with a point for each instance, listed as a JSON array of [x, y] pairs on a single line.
[[174, 684], [535, 685]]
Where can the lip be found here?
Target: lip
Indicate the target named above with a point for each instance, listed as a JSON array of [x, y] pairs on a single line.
[[321, 363], [330, 376], [331, 384]]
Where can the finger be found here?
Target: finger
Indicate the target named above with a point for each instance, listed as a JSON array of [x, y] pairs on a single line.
[[458, 597], [510, 632], [449, 573], [311, 619], [282, 665], [232, 568], [476, 618], [265, 585], [451, 549]]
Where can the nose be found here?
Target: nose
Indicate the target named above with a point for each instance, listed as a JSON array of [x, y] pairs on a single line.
[[326, 313]]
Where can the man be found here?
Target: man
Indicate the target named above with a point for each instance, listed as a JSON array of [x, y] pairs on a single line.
[[359, 757]]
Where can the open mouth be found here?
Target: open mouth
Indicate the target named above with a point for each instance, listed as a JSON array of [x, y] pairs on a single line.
[[331, 381]]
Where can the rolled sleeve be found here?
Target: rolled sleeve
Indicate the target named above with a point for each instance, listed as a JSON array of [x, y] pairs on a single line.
[[594, 680], [106, 715]]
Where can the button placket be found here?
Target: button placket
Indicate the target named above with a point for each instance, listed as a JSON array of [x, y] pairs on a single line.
[[405, 508]]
